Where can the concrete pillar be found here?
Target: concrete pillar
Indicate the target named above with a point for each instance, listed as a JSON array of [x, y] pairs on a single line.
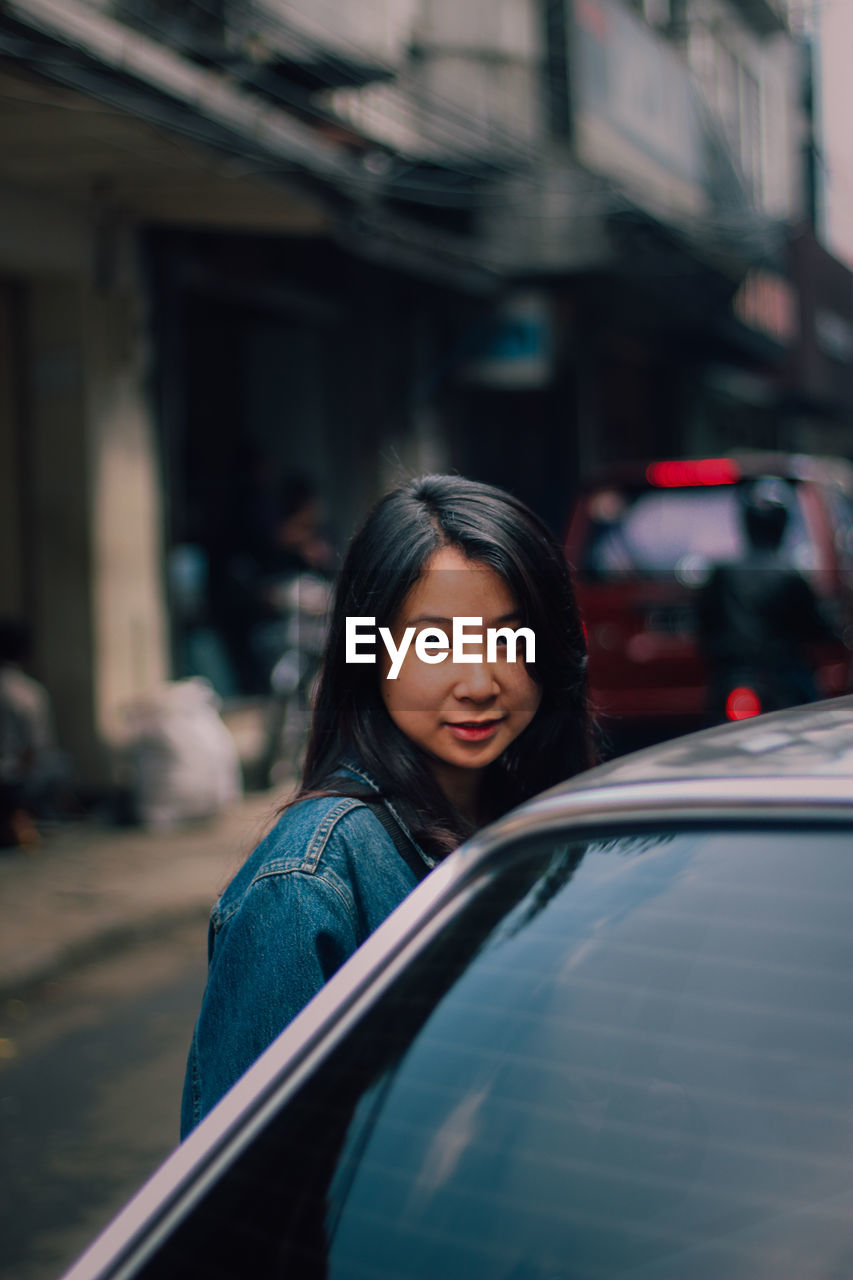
[[13, 598], [94, 514], [129, 629], [58, 515]]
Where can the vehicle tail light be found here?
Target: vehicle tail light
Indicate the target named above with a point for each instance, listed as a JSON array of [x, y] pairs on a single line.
[[691, 472], [742, 703]]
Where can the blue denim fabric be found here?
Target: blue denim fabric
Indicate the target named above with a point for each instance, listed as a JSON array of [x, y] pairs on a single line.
[[314, 889]]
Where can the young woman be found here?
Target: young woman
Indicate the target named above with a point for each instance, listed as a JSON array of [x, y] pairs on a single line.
[[398, 770]]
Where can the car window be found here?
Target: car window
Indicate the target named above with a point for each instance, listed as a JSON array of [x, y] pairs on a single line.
[[625, 1058], [679, 530]]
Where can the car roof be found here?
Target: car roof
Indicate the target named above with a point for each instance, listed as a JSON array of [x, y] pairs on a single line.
[[793, 466], [811, 740]]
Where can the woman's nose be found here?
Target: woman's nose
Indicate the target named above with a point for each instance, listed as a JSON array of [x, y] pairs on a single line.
[[475, 680]]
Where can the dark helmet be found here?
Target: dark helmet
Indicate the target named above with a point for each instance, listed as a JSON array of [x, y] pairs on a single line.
[[766, 504]]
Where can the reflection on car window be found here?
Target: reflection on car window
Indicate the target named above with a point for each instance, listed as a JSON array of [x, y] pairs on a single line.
[[656, 530], [624, 1059], [654, 1072]]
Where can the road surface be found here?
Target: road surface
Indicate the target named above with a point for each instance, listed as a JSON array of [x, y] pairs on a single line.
[[91, 1068]]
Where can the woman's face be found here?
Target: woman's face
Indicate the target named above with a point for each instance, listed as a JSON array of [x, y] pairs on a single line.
[[463, 715]]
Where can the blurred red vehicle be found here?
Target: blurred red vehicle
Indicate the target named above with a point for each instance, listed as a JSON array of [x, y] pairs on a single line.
[[644, 537]]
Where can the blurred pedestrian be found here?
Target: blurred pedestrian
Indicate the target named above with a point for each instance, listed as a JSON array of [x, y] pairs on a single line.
[[27, 739], [275, 542]]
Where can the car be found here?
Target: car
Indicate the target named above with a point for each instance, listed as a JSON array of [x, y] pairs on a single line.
[[610, 1036], [643, 537]]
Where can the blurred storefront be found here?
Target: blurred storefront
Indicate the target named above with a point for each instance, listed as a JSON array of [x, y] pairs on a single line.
[[283, 362], [108, 131]]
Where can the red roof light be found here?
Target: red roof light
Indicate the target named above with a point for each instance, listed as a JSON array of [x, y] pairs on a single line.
[[742, 703], [690, 472]]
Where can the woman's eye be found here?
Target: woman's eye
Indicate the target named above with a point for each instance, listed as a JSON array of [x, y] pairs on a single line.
[[437, 634]]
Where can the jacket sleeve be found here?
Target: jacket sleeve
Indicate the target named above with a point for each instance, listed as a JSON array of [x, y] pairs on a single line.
[[290, 933], [811, 617]]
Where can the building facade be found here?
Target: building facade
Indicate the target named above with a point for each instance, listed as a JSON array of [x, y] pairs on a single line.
[[246, 238]]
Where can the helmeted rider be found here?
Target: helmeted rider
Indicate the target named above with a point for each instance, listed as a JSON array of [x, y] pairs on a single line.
[[758, 616]]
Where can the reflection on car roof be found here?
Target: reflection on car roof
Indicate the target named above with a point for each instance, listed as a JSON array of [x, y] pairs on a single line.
[[816, 738]]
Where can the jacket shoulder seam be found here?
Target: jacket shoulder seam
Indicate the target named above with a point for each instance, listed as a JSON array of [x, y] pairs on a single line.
[[326, 877], [307, 864], [320, 838]]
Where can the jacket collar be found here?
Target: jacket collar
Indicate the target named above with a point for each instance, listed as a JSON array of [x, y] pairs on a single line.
[[358, 770]]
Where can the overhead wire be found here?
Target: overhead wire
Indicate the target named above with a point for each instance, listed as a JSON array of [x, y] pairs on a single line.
[[528, 154], [74, 75], [592, 193], [309, 45], [445, 112], [453, 125], [537, 154], [26, 92], [424, 189]]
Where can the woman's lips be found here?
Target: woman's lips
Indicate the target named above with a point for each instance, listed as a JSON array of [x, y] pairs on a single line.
[[474, 730]]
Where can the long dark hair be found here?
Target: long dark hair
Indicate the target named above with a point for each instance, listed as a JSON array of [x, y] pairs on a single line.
[[384, 561]]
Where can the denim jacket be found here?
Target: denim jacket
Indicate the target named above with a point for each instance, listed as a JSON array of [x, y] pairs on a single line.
[[313, 890]]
